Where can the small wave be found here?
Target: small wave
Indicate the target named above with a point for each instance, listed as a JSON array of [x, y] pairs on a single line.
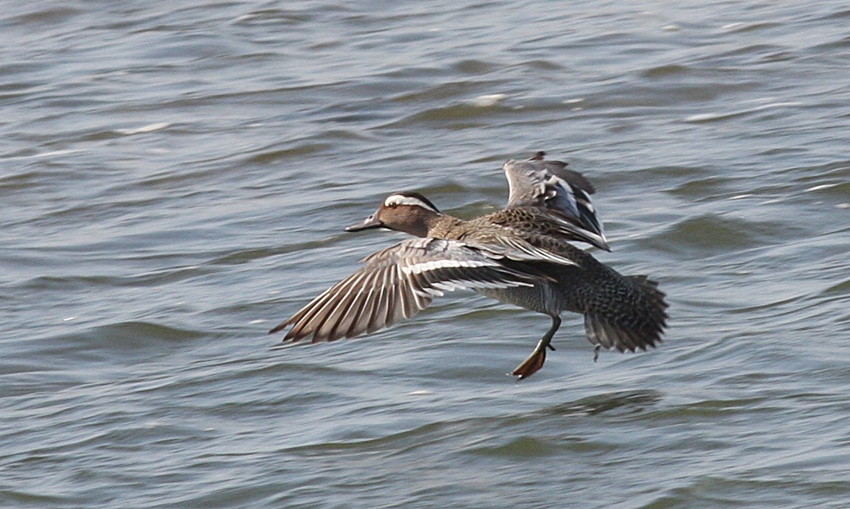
[[144, 129], [715, 116], [484, 101], [131, 341], [715, 233]]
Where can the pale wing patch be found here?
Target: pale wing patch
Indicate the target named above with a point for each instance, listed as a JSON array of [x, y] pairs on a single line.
[[436, 288], [421, 267]]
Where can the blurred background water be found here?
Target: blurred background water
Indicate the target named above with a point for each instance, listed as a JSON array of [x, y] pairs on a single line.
[[175, 179]]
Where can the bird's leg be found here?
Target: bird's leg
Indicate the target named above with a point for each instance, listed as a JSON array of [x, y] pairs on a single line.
[[596, 353], [535, 361]]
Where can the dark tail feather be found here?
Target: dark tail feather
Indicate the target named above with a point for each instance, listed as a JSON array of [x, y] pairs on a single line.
[[635, 322], [279, 327]]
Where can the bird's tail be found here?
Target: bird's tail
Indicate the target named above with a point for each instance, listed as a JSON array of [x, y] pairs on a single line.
[[631, 317]]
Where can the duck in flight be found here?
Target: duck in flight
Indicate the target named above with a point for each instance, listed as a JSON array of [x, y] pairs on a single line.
[[519, 255]]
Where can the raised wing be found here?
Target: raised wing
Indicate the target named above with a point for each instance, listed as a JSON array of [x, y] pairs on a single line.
[[397, 283], [561, 192]]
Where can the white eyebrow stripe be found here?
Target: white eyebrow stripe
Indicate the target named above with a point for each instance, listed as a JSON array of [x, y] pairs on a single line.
[[399, 199]]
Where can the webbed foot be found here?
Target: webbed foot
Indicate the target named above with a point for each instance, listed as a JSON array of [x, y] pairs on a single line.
[[535, 361], [532, 364]]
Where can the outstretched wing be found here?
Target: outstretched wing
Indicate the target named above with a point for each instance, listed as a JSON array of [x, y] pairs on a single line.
[[563, 193], [397, 283]]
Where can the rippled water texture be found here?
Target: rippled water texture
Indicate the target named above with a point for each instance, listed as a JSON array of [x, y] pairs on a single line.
[[174, 182]]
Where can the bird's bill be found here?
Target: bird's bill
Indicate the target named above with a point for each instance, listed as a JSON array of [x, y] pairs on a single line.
[[369, 223]]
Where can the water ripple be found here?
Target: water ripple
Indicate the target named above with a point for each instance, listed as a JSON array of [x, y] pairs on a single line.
[[175, 180]]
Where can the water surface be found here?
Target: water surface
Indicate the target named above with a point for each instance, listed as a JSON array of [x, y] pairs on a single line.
[[175, 181]]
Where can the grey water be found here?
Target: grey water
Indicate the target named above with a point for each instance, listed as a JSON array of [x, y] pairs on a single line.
[[175, 178]]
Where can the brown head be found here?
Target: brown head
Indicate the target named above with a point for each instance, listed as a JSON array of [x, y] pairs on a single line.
[[407, 212]]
